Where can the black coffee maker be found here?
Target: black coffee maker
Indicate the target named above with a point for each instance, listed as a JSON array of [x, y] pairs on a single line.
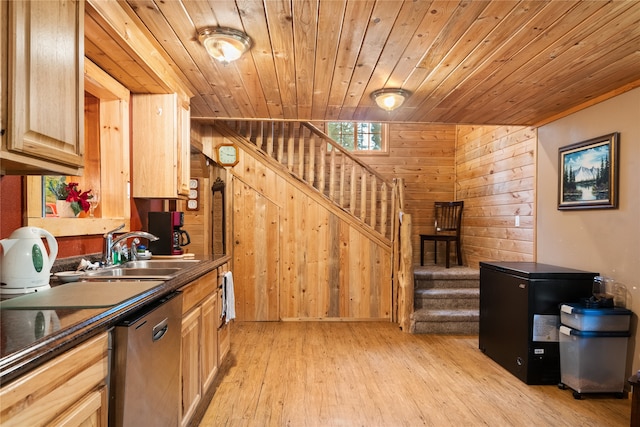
[[167, 226]]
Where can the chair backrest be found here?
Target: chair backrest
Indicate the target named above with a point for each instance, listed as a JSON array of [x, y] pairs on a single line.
[[448, 216]]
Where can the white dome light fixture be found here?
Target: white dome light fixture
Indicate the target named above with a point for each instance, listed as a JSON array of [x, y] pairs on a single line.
[[389, 99], [224, 44]]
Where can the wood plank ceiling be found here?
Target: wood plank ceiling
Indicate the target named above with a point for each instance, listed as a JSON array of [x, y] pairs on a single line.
[[475, 62]]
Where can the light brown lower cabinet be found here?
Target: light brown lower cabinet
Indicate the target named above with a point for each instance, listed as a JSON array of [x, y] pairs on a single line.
[[209, 342], [70, 390], [191, 386], [224, 337], [200, 341]]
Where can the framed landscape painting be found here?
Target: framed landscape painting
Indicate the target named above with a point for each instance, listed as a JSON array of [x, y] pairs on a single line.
[[588, 174]]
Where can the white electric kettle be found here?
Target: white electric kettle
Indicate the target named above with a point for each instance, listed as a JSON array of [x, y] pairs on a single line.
[[24, 263]]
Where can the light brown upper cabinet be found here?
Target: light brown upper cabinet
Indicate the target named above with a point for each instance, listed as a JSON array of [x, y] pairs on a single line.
[[161, 146], [42, 55]]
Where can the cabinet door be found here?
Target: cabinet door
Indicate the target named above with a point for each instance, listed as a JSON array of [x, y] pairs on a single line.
[[154, 145], [209, 347], [224, 337], [63, 389], [184, 147], [90, 411], [45, 87], [191, 381], [4, 58], [161, 127]]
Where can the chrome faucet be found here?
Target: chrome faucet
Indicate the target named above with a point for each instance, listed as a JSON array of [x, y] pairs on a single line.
[[110, 242], [134, 249]]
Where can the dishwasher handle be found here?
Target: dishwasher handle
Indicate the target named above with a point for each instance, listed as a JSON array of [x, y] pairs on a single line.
[[160, 330]]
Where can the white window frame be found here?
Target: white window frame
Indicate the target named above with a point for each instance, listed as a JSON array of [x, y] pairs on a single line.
[[384, 142]]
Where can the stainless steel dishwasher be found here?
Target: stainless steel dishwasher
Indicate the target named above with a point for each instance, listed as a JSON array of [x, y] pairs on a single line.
[[145, 369]]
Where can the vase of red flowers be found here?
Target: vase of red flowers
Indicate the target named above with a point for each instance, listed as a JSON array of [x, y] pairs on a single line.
[[64, 210], [70, 199]]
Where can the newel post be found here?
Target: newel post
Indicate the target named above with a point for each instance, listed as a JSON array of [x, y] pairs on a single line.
[[405, 274]]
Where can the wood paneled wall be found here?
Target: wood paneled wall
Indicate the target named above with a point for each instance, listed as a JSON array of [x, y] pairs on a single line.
[[491, 168], [198, 222], [206, 237], [495, 176], [423, 155], [294, 257]]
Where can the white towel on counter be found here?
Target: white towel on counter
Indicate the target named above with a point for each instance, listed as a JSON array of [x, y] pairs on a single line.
[[87, 265], [228, 297]]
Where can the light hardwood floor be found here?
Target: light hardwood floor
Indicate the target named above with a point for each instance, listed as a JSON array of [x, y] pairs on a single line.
[[373, 374]]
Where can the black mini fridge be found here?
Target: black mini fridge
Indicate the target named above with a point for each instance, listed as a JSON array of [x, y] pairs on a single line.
[[520, 315]]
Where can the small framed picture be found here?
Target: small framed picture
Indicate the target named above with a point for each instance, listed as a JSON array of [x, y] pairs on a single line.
[[588, 174]]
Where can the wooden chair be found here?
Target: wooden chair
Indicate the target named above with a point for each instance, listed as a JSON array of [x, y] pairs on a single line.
[[447, 229]]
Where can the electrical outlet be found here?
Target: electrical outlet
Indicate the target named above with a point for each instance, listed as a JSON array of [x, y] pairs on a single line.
[[517, 220]]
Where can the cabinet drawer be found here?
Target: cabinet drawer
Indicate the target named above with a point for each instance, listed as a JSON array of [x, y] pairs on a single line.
[[198, 290]]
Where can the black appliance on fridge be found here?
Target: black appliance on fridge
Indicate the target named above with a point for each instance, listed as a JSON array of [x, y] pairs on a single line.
[[167, 226], [520, 315]]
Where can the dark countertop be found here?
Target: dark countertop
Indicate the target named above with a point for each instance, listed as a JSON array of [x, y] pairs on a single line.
[[29, 338]]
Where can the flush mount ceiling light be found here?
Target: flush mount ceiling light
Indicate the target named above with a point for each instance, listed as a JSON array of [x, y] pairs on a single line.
[[224, 44], [389, 99]]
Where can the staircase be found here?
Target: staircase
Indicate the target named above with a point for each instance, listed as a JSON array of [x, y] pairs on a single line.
[[446, 300]]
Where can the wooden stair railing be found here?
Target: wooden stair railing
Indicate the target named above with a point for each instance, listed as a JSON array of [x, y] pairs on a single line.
[[313, 157]]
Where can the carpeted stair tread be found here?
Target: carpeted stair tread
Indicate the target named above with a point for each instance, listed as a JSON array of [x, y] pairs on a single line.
[[443, 293], [444, 284], [429, 315], [446, 328], [442, 273], [447, 298]]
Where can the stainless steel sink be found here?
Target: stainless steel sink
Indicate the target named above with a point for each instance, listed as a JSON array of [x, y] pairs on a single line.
[[161, 263], [161, 269], [133, 273]]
